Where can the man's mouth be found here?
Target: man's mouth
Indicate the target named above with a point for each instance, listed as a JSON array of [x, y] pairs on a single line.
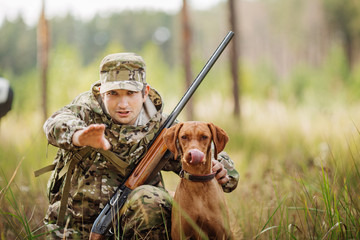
[[123, 113]]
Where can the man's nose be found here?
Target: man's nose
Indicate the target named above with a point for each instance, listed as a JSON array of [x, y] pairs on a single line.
[[123, 102]]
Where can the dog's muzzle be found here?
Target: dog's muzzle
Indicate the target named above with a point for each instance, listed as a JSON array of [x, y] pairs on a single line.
[[194, 156]]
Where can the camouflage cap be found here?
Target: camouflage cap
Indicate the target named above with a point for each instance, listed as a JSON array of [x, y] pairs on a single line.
[[122, 71]]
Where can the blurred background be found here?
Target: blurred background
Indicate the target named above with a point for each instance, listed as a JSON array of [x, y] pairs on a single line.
[[287, 91]]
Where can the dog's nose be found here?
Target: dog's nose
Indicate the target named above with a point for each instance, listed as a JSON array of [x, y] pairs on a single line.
[[195, 156]]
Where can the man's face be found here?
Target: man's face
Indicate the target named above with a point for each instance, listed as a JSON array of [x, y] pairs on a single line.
[[124, 106]]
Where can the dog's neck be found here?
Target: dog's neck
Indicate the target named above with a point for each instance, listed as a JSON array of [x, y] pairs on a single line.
[[197, 177], [198, 172]]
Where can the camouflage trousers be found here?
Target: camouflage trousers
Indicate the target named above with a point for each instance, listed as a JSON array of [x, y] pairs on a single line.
[[145, 215]]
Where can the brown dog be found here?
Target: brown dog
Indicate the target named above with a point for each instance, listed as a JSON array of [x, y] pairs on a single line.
[[199, 199]]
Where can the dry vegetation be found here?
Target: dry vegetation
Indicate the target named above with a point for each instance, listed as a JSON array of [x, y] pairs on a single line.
[[298, 168]]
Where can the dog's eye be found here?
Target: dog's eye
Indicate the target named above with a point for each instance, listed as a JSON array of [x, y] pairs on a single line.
[[184, 137], [203, 137]]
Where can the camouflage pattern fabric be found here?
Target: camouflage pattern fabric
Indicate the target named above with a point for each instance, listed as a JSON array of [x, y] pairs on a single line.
[[122, 71], [145, 215], [95, 179], [225, 160]]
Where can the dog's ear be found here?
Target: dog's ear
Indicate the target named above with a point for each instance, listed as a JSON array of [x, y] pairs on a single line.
[[220, 138], [170, 137]]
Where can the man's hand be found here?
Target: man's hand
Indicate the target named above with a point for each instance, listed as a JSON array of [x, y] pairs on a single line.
[[221, 173], [92, 136]]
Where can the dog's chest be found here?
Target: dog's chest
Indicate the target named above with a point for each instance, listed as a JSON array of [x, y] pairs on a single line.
[[199, 195]]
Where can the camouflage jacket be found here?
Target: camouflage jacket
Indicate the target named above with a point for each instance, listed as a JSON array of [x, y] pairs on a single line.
[[94, 179]]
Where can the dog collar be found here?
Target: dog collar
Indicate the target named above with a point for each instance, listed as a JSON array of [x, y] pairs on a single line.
[[196, 178]]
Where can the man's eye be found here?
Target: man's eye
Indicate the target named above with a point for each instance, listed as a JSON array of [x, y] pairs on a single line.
[[111, 93], [131, 92]]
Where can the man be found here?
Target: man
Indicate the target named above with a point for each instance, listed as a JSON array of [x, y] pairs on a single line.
[[118, 116]]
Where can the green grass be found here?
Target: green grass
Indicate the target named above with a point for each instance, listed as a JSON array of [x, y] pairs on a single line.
[[299, 171], [298, 181], [17, 221]]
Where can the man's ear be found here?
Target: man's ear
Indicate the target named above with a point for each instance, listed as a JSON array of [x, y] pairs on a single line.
[[170, 137], [146, 92], [220, 138]]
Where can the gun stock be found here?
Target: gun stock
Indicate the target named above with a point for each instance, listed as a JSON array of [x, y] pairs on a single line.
[[97, 236], [150, 163]]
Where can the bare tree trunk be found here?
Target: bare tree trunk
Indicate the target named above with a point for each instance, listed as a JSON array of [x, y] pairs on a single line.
[[234, 60], [43, 43], [349, 46], [186, 42]]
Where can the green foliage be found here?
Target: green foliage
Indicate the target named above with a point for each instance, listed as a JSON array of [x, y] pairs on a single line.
[[126, 28], [306, 84], [17, 46], [262, 81], [26, 92], [319, 84], [65, 72], [344, 16], [353, 84], [157, 69], [91, 38]]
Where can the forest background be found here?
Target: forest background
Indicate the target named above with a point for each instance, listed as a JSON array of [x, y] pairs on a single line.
[[295, 142]]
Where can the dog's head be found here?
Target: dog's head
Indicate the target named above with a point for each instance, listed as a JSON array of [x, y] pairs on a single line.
[[194, 140]]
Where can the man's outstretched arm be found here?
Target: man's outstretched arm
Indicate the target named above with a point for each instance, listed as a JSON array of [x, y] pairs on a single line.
[[92, 136]]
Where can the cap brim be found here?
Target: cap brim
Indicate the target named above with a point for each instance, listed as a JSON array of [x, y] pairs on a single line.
[[126, 85]]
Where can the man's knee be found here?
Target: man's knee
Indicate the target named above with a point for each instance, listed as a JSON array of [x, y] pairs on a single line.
[[148, 208]]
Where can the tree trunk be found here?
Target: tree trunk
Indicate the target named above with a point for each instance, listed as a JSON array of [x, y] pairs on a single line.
[[43, 56], [349, 47], [234, 60], [186, 42]]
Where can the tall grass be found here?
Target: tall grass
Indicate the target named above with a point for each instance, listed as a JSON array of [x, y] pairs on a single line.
[[17, 221], [22, 197], [299, 171]]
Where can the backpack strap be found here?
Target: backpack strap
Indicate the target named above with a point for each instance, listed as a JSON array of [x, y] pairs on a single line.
[[43, 170], [68, 169], [120, 165]]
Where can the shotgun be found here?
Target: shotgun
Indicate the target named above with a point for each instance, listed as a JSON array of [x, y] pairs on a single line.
[[152, 162]]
